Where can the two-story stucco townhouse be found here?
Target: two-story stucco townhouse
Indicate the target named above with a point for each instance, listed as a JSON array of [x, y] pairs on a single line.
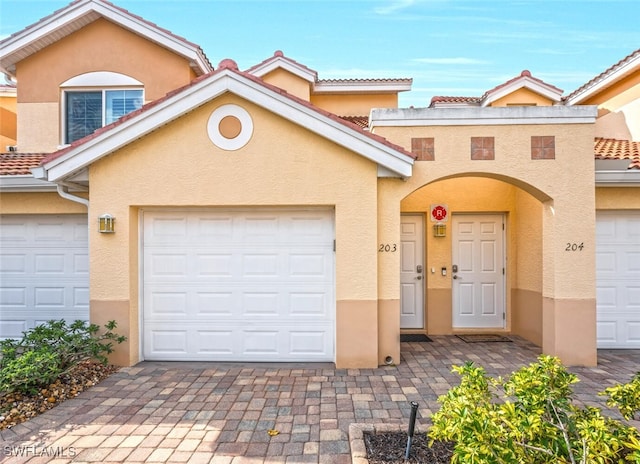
[[269, 215]]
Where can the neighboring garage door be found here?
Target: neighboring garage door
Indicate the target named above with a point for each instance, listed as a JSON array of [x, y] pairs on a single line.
[[44, 271], [241, 285], [618, 279]]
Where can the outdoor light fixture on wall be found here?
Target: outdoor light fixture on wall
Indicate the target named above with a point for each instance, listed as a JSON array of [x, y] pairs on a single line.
[[106, 224], [439, 230]]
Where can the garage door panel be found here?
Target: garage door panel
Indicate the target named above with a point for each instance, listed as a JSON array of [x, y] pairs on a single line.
[[253, 285], [216, 343], [607, 331], [172, 342], [618, 279], [44, 271], [633, 332], [226, 343], [12, 328]]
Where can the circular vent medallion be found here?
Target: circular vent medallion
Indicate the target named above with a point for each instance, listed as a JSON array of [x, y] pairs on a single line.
[[230, 127]]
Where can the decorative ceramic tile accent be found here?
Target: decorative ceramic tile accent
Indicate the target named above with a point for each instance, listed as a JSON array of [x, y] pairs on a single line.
[[483, 148], [423, 148], [543, 147]]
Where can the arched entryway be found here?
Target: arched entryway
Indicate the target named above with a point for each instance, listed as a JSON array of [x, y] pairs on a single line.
[[483, 271]]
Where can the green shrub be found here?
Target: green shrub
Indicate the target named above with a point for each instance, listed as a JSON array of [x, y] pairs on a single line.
[[530, 418], [27, 372], [625, 397], [50, 350]]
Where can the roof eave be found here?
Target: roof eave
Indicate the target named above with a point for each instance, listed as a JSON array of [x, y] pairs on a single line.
[[76, 15], [604, 80], [280, 62], [546, 91], [626, 178], [78, 158], [391, 87], [489, 116], [25, 183]]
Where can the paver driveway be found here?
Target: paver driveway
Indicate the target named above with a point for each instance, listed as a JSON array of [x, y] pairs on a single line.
[[222, 412]]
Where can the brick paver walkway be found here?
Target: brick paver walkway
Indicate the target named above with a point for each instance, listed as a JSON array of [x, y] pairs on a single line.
[[223, 412]]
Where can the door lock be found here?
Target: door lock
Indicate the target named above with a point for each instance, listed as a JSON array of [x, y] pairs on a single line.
[[419, 268]]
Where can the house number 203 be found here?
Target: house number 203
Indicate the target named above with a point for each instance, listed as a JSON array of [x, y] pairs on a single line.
[[574, 246], [387, 248]]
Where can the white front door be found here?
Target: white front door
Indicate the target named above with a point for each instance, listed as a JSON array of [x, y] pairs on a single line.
[[478, 271], [618, 279], [412, 272]]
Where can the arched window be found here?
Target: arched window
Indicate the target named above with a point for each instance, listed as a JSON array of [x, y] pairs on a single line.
[[93, 100]]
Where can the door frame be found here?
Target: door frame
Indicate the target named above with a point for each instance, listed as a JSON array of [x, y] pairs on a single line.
[[503, 215]]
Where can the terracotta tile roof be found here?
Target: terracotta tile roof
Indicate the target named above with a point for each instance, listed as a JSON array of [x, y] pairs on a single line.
[[16, 164], [524, 74], [126, 12], [443, 99], [360, 121], [606, 73], [231, 65], [280, 54], [618, 149], [363, 81], [475, 101]]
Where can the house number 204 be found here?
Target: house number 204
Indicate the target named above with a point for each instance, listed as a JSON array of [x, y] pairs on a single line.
[[387, 248], [574, 246]]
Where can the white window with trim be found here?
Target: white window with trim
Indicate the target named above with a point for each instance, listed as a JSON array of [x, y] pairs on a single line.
[[93, 100]]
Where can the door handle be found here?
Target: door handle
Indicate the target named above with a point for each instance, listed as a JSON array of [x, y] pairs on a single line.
[[419, 277], [455, 276]]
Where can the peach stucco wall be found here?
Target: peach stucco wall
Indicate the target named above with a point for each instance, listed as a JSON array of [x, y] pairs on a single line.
[[96, 47], [621, 198], [559, 196], [523, 96], [619, 109], [354, 105], [178, 166], [39, 203], [290, 82], [8, 121]]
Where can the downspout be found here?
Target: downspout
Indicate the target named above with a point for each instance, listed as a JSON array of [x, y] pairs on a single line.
[[63, 191]]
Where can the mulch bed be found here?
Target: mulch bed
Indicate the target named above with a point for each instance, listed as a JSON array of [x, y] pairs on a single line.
[[16, 408], [390, 448]]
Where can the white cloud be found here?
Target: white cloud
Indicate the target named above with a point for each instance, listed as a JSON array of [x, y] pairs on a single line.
[[394, 6], [453, 60]]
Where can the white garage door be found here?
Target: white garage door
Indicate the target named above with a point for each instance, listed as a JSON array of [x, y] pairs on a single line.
[[618, 279], [44, 271], [239, 285]]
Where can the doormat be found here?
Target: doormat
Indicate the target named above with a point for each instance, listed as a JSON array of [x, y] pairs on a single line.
[[414, 338], [483, 338]]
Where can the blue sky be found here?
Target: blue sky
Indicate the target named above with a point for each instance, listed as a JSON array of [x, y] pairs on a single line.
[[449, 47]]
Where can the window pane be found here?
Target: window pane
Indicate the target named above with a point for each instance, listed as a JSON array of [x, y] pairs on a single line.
[[84, 114], [121, 102]]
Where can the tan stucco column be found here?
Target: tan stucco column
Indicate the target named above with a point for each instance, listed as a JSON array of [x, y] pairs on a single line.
[[389, 272], [113, 264], [569, 281]]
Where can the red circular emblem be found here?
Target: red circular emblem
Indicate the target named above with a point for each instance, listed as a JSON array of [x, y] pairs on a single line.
[[439, 213]]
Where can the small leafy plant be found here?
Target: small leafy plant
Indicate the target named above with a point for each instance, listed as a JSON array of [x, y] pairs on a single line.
[[530, 418], [50, 350]]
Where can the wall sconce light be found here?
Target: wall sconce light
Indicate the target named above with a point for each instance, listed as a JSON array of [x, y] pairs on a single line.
[[106, 224], [439, 230]]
